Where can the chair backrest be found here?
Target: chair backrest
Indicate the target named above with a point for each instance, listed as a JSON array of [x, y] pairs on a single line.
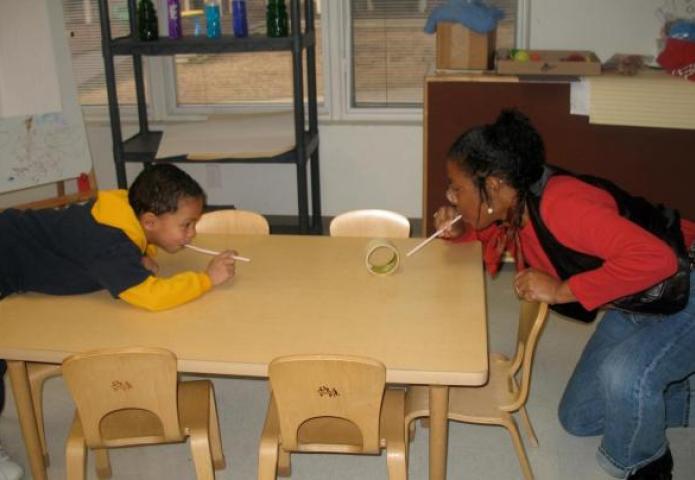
[[532, 317], [114, 388], [328, 403], [233, 222], [370, 223]]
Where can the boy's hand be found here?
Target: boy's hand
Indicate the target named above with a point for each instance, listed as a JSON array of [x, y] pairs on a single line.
[[221, 268], [444, 215], [150, 264]]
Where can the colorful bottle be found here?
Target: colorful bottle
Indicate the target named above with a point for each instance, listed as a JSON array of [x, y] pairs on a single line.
[[212, 18], [174, 14], [239, 23], [276, 18], [148, 29]]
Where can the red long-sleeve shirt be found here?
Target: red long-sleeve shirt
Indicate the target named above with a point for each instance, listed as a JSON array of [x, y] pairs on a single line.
[[586, 219]]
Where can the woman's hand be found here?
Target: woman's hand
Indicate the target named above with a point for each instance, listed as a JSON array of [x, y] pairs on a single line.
[[536, 286], [444, 215], [222, 268], [150, 264]]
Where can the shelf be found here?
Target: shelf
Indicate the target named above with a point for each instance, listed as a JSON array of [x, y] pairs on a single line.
[[143, 148], [201, 44]]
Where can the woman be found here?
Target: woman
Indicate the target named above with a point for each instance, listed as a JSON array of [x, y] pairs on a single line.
[[582, 244]]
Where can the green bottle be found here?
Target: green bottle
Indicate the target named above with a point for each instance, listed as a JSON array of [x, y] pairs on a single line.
[[276, 18], [148, 28]]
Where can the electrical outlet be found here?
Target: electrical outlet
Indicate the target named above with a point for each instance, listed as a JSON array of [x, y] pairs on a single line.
[[214, 176]]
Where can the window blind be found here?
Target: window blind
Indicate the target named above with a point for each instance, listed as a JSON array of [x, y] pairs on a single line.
[[83, 28], [391, 54], [244, 78]]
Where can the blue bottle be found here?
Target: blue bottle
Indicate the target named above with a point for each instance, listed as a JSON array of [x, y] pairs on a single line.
[[212, 18], [239, 23]]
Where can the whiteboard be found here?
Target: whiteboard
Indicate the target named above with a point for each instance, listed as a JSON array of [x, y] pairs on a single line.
[[42, 148]]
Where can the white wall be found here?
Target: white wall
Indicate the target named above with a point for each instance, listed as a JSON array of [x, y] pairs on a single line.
[[381, 165], [604, 26]]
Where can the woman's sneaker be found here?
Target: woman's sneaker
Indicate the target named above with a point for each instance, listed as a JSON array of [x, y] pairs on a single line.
[[659, 469], [9, 470]]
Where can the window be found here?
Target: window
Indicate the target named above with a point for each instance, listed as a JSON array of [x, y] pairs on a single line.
[[246, 78], [199, 80], [83, 28], [391, 53], [379, 55]]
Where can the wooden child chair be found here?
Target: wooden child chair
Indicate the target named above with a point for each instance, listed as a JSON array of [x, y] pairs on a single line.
[[495, 402], [332, 404], [233, 222], [132, 396], [370, 223]]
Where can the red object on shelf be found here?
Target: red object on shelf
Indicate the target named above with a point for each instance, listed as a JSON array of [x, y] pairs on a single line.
[[83, 184], [678, 58]]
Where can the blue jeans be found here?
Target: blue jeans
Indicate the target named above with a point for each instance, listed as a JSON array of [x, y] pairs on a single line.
[[632, 382]]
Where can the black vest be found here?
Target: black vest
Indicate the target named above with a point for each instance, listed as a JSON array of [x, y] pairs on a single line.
[[666, 297]]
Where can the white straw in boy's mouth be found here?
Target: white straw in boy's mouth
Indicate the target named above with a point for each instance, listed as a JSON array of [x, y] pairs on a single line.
[[214, 252]]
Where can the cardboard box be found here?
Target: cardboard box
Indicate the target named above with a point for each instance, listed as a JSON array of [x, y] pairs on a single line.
[[459, 48], [548, 62]]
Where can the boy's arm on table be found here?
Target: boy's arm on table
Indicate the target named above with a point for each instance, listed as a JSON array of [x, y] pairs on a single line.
[[120, 270], [161, 293]]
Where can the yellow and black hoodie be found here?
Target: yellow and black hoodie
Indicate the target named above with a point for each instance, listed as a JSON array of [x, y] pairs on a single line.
[[84, 248]]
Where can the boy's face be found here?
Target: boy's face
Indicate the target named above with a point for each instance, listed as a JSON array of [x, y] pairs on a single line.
[[171, 231]]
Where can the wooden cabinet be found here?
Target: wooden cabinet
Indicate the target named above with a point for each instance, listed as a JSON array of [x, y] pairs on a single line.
[[652, 162]]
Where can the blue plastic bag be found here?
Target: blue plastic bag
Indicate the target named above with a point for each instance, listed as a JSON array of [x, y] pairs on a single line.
[[473, 14], [682, 30]]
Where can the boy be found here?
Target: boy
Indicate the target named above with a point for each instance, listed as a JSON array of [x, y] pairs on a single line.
[[109, 244]]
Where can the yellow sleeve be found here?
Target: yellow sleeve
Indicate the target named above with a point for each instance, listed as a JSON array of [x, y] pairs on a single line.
[[161, 293]]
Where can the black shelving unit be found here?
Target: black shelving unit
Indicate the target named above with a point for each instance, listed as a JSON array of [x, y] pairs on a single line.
[[142, 147]]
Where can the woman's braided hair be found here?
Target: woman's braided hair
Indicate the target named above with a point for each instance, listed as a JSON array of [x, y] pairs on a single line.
[[511, 149]]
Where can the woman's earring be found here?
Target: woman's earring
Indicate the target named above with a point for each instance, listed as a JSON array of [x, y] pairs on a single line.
[[490, 210]]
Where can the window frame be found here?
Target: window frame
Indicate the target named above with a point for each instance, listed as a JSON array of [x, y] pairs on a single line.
[[336, 31]]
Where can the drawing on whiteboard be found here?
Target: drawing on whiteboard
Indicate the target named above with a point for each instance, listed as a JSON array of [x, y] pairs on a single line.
[[43, 146], [36, 148]]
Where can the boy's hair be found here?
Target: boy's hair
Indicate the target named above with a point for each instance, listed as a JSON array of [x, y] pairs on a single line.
[[159, 188]]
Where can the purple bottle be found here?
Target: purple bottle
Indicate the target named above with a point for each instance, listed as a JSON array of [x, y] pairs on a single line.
[[174, 16]]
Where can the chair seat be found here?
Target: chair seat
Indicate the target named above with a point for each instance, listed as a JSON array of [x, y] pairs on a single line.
[[501, 397], [474, 405]]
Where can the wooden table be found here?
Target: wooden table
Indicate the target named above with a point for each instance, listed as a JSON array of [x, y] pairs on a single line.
[[299, 294]]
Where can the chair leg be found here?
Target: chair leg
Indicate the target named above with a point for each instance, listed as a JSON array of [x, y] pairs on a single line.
[[411, 431], [267, 459], [511, 426], [103, 464], [526, 422], [396, 461], [218, 460], [38, 373], [202, 457], [75, 453], [284, 463]]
